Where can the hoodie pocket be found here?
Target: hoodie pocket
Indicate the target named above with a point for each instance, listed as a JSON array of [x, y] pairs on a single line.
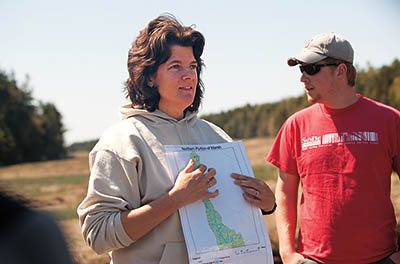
[[174, 253]]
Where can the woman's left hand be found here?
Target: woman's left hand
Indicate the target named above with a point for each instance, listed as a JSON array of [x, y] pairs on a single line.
[[255, 191]]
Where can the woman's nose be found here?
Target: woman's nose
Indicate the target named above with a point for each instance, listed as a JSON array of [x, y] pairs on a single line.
[[189, 74]]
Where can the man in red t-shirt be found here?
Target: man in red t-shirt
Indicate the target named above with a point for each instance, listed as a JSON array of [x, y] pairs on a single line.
[[342, 149]]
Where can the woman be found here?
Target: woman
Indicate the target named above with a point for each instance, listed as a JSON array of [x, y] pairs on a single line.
[[132, 201]]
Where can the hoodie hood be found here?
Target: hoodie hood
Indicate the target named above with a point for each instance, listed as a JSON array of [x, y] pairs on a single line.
[[155, 117]]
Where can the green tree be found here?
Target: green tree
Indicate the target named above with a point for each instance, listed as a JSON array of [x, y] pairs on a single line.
[[394, 92], [380, 83], [27, 132], [53, 131]]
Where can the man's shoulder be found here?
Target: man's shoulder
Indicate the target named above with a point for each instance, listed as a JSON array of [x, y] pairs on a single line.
[[381, 107], [305, 113]]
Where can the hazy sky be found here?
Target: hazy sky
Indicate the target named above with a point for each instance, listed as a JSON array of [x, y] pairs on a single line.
[[75, 51]]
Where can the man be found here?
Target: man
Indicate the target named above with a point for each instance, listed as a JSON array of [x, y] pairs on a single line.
[[342, 149]]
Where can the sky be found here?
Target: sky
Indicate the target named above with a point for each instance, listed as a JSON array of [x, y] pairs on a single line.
[[75, 52]]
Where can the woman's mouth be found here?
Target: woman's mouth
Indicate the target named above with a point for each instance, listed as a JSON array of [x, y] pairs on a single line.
[[186, 88]]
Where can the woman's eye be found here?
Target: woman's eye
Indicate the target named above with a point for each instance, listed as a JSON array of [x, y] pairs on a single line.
[[193, 67], [174, 66]]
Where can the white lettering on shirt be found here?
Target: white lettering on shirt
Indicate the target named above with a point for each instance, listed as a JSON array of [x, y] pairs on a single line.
[[365, 137]]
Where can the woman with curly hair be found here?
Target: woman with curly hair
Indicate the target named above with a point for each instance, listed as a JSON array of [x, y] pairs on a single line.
[[131, 208]]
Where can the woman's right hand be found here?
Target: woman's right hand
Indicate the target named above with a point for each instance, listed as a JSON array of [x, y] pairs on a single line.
[[192, 185]]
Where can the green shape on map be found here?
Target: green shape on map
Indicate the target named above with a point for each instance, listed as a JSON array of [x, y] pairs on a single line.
[[196, 158], [226, 237]]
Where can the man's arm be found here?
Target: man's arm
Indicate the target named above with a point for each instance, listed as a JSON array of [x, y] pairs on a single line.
[[395, 257], [286, 193]]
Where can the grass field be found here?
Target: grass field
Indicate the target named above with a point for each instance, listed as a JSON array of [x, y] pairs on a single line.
[[59, 186]]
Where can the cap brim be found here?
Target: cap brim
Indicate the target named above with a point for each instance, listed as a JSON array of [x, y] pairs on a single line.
[[306, 57]]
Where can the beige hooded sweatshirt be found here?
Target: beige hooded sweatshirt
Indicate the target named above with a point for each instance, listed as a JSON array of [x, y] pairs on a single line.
[[128, 169]]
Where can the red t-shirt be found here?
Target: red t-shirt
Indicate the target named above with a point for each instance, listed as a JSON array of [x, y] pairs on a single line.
[[344, 159]]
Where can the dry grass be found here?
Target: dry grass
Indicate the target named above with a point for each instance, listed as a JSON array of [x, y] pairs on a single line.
[[257, 149], [59, 186], [74, 166]]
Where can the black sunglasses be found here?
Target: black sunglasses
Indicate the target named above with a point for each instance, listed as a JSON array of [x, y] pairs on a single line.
[[312, 69]]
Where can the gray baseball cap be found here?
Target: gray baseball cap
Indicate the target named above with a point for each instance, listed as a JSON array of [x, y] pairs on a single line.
[[322, 46]]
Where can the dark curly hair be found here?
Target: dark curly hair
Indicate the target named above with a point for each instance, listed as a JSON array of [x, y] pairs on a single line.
[[152, 48]]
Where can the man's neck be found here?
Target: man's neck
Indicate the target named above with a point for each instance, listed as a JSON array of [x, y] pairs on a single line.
[[345, 98]]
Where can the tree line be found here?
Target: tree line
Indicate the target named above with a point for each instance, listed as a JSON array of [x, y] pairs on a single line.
[[264, 120], [32, 131], [29, 130]]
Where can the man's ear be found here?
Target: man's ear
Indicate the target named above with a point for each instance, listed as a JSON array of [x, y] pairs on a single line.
[[341, 70]]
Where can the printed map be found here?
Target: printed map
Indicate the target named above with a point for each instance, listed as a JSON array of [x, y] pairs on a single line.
[[225, 229]]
